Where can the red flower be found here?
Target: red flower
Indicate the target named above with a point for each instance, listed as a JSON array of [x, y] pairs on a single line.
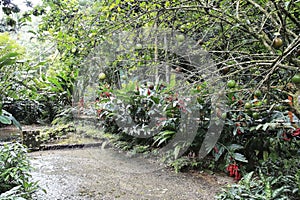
[[233, 170], [230, 169], [237, 176], [296, 132]]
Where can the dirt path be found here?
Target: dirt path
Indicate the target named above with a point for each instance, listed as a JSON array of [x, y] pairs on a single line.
[[95, 173]]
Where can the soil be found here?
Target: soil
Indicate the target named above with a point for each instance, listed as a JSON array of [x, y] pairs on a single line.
[[104, 173]]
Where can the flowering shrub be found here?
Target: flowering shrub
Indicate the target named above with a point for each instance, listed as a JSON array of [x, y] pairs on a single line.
[[273, 180], [245, 140]]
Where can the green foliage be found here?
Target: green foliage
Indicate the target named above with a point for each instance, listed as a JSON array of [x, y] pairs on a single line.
[[18, 81], [10, 52], [275, 159], [140, 149], [25, 111], [273, 180], [7, 118], [61, 85], [9, 46], [71, 26], [15, 173], [64, 116], [239, 35], [180, 163], [56, 132], [12, 18], [163, 137]]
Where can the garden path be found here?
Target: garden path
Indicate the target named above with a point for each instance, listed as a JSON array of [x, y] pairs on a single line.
[[104, 173]]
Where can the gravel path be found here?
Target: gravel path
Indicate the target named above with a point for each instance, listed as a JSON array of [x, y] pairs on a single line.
[[95, 173]]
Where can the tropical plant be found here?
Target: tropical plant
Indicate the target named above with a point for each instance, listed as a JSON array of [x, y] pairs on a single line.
[[264, 186], [9, 53], [7, 118], [254, 46], [15, 177]]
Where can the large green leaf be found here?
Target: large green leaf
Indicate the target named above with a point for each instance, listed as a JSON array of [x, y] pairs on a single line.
[[240, 157], [5, 119], [234, 147], [16, 123], [8, 59]]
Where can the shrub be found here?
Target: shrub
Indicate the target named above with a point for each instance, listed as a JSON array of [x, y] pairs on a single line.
[[15, 173], [264, 186]]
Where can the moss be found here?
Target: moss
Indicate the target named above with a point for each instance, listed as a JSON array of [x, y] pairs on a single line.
[[56, 132]]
